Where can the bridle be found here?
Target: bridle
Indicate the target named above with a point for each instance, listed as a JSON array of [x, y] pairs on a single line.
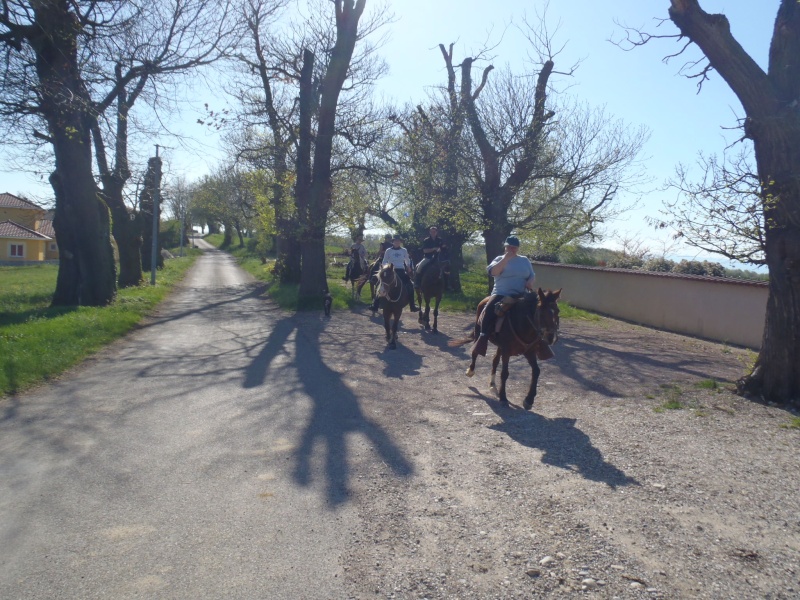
[[384, 286], [540, 330], [538, 314]]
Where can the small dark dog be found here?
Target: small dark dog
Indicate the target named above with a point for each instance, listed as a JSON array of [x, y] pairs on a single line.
[[327, 302]]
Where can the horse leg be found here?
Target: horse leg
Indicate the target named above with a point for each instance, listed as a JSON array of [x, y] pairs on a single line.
[[436, 314], [495, 362], [503, 379], [535, 370], [418, 292], [386, 325], [395, 323]]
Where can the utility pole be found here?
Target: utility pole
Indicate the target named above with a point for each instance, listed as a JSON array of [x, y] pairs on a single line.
[[156, 217]]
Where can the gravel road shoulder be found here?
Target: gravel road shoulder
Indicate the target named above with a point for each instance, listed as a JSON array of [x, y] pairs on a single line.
[[628, 479]]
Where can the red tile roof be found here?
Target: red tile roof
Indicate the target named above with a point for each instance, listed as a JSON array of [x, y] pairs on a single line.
[[12, 201], [46, 228], [9, 229]]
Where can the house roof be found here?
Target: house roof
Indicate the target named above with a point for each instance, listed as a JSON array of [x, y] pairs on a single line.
[[12, 201], [46, 228], [9, 229]]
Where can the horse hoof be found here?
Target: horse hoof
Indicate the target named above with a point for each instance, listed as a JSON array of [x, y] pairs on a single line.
[[493, 388], [504, 401], [470, 372], [528, 404]]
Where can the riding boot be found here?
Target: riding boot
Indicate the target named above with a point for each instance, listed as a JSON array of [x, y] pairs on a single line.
[[346, 273], [480, 345], [411, 305], [375, 302]]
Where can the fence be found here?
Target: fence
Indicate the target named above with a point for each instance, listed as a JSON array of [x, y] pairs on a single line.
[[714, 308]]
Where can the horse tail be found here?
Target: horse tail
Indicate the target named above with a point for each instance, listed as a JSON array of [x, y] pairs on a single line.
[[461, 342]]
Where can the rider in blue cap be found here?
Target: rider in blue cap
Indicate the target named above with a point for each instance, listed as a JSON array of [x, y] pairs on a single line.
[[512, 275]]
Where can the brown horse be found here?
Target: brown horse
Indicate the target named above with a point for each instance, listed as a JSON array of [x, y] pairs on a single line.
[[394, 294], [431, 286], [529, 329]]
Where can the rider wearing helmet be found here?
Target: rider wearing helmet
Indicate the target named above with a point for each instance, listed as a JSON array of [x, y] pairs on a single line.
[[431, 247], [357, 249]]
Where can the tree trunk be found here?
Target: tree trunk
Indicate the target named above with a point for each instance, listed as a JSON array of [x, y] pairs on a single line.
[[776, 376], [152, 185], [127, 230], [312, 275], [87, 273], [773, 123]]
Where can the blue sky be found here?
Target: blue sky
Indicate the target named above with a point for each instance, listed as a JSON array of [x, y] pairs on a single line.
[[635, 86]]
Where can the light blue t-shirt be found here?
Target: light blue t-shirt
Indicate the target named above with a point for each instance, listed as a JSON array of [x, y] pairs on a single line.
[[512, 280]]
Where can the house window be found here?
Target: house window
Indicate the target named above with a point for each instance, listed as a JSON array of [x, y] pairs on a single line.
[[53, 247], [17, 250]]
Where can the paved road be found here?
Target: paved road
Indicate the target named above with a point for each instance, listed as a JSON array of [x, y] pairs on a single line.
[[170, 466]]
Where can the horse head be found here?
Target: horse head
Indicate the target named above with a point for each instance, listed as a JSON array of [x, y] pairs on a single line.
[[386, 278], [546, 314]]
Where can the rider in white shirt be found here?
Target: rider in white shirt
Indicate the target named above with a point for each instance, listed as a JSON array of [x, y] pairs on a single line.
[[398, 256]]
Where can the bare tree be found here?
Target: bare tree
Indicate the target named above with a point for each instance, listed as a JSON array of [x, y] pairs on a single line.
[[721, 212], [551, 177], [770, 101]]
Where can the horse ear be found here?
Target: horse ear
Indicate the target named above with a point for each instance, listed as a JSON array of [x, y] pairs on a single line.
[[540, 293], [557, 294]]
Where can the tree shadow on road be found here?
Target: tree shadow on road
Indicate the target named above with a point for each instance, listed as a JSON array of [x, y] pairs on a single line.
[[564, 445], [335, 414]]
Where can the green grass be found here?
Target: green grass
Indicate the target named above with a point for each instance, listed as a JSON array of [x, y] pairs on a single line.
[[672, 398], [708, 384], [38, 342], [794, 423]]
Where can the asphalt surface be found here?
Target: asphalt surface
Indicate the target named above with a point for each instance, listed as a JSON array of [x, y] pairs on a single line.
[[170, 466]]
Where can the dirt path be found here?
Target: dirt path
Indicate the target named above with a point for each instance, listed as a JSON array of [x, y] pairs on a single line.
[[601, 488]]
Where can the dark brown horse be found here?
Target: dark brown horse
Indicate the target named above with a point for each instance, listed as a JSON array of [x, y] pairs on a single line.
[[395, 294], [529, 329], [431, 286]]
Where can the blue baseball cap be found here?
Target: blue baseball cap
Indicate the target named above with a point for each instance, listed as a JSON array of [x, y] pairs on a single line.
[[512, 240]]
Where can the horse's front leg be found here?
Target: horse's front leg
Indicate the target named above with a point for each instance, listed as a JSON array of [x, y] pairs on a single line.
[[535, 370], [436, 314], [495, 362], [387, 325], [503, 379], [393, 340]]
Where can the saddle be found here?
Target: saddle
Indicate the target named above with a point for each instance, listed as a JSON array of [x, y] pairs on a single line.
[[542, 348], [500, 309]]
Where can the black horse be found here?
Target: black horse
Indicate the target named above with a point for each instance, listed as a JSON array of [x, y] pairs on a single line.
[[356, 274], [431, 286], [371, 277], [529, 328], [394, 293]]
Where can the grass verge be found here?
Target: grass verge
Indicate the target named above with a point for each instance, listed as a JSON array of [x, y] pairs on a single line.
[[38, 342]]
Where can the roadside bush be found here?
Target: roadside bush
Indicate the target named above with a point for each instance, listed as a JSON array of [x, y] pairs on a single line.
[[696, 267], [624, 262], [661, 265]]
